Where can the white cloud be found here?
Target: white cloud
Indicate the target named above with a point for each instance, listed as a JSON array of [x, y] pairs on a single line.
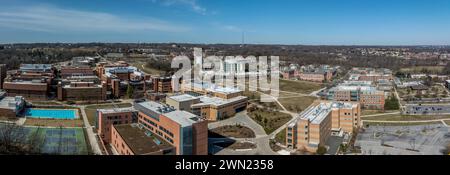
[[193, 4], [232, 28], [53, 19]]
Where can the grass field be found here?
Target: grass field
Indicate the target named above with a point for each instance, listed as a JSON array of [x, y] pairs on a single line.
[[235, 131], [281, 137], [447, 122], [57, 141], [302, 87], [64, 141], [91, 110], [297, 104], [398, 117], [146, 69], [373, 112], [54, 122], [269, 120]]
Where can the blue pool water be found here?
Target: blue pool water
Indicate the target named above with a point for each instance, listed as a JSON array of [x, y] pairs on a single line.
[[51, 113]]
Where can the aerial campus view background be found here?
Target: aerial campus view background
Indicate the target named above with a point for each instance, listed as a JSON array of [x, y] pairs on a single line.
[[285, 78]]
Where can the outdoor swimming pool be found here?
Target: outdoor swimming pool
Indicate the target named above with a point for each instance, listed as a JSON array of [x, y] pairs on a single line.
[[51, 113]]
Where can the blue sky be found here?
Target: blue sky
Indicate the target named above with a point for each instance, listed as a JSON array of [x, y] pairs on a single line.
[[317, 22]]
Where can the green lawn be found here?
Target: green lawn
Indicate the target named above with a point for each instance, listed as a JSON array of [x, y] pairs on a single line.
[[54, 122], [297, 104], [281, 137], [302, 87], [146, 69], [91, 110], [447, 122], [373, 112], [55, 141], [269, 120]]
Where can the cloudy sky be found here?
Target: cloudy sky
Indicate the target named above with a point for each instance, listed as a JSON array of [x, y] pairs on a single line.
[[341, 22]]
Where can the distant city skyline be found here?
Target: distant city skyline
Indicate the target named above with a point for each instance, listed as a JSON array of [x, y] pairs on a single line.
[[289, 22]]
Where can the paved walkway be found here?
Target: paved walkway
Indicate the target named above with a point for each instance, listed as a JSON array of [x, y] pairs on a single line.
[[241, 119], [382, 114], [91, 135], [262, 139]]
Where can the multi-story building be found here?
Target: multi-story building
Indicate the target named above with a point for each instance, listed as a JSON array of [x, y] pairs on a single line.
[[3, 71], [187, 132], [106, 118], [370, 74], [31, 81], [211, 90], [182, 102], [81, 91], [316, 124], [119, 76], [368, 96], [209, 108], [316, 76], [310, 73], [447, 84], [130, 139], [69, 71], [11, 107], [162, 84]]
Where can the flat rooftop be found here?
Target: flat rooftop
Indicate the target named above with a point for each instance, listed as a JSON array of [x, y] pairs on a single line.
[[140, 142], [353, 88], [183, 118], [212, 87], [216, 101], [183, 98], [317, 113], [153, 109], [9, 102], [130, 69], [116, 110]]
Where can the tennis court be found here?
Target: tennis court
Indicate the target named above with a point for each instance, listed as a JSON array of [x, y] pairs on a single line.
[[61, 141]]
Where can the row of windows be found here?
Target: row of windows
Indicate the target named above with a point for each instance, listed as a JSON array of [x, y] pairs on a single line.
[[166, 131], [149, 121], [168, 139], [115, 117]]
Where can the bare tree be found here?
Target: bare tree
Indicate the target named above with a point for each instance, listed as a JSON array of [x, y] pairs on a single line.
[[14, 139]]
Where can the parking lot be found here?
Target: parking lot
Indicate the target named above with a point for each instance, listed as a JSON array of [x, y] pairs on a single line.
[[427, 109], [404, 140]]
